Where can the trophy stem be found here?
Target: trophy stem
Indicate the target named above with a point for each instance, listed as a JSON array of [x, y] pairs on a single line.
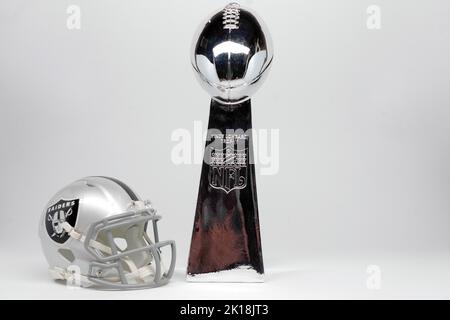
[[226, 243]]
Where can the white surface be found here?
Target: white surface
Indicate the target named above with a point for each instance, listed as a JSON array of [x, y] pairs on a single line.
[[363, 117], [344, 276]]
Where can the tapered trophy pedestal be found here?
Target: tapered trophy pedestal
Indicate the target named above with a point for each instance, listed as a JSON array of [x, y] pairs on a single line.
[[226, 243], [231, 56]]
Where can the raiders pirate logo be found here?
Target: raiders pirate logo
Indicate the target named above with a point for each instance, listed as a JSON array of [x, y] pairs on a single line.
[[57, 214]]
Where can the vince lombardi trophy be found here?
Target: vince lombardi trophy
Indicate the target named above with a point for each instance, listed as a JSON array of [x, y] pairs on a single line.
[[231, 55]]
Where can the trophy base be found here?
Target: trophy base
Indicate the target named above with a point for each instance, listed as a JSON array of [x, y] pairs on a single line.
[[239, 274]]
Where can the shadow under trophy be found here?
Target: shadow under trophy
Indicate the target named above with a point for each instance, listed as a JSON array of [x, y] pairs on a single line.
[[231, 56]]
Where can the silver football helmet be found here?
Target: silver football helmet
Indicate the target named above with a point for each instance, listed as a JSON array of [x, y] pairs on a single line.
[[96, 229]]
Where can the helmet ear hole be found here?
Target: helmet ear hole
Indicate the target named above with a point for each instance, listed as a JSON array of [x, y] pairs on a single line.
[[67, 254], [121, 243]]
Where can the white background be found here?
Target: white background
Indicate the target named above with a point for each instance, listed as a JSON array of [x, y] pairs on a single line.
[[364, 120]]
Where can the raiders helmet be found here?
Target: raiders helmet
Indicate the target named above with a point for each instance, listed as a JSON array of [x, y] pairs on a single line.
[[95, 230]]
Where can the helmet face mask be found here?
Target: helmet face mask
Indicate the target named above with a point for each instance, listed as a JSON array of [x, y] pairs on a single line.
[[127, 263], [98, 227]]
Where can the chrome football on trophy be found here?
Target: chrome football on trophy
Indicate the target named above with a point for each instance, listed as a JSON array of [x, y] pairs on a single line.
[[231, 56]]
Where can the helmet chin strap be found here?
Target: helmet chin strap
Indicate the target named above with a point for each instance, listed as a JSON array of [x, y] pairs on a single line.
[[71, 277], [138, 274], [80, 237]]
